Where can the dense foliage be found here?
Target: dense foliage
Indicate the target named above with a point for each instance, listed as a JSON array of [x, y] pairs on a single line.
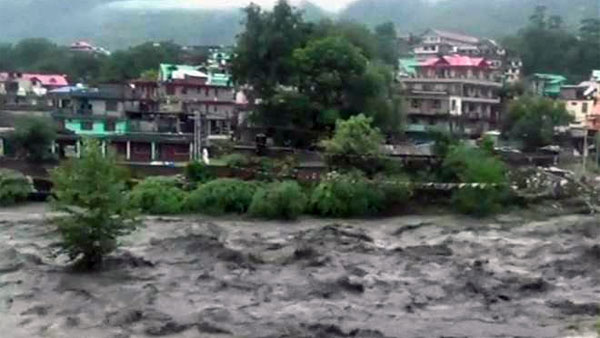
[[41, 55], [474, 165], [158, 196], [33, 137], [279, 200], [222, 196], [198, 172], [546, 45], [91, 192], [14, 187], [355, 144], [115, 26], [346, 195], [396, 188], [309, 75], [532, 121]]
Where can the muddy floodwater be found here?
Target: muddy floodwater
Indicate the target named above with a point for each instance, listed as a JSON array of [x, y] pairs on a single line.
[[411, 276]]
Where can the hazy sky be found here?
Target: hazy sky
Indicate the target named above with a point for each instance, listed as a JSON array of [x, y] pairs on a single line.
[[331, 5]]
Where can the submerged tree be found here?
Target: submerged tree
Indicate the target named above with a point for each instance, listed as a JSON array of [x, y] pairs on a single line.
[[91, 192], [33, 138]]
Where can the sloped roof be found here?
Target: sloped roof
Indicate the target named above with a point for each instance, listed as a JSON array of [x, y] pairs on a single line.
[[172, 71], [219, 79], [408, 65], [550, 78], [81, 44], [47, 80], [454, 36], [456, 61]]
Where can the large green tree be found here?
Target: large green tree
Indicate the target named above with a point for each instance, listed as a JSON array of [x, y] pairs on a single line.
[[309, 75], [326, 68], [532, 121], [33, 137], [263, 56], [387, 43]]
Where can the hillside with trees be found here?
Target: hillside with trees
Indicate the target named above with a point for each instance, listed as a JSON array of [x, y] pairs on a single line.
[[113, 26]]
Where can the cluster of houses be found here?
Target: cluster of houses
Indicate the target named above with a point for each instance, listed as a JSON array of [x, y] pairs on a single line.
[[161, 120], [451, 81]]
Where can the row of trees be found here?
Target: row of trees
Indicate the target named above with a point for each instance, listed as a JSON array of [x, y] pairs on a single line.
[[42, 55], [546, 45], [308, 75]]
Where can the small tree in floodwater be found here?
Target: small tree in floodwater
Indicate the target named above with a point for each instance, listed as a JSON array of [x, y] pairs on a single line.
[[91, 193]]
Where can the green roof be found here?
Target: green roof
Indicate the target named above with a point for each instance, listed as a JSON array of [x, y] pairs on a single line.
[[219, 79], [550, 78], [167, 69], [552, 83], [409, 65]]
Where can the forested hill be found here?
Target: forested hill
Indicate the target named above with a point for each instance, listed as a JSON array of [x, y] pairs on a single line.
[[105, 23], [491, 18]]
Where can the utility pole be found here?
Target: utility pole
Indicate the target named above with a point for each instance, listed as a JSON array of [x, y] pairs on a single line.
[[585, 148], [198, 135]]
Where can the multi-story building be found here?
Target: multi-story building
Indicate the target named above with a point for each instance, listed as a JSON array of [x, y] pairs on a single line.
[[28, 90], [547, 84], [436, 42], [198, 94], [579, 101], [118, 115], [453, 93], [513, 69]]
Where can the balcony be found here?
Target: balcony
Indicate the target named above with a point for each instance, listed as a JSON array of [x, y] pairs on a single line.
[[427, 112], [462, 80]]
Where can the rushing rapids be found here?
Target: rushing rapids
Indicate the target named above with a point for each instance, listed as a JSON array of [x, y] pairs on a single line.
[[411, 276]]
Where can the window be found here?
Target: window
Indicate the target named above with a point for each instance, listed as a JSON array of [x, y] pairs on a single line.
[[453, 105], [109, 126], [184, 90], [573, 103], [584, 107], [206, 91], [216, 127], [415, 104], [112, 105], [170, 90], [437, 104], [216, 92], [87, 125], [214, 108]]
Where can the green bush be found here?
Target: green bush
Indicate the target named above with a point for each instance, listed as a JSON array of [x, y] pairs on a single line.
[[283, 200], [158, 196], [198, 172], [355, 144], [236, 160], [473, 165], [222, 196], [346, 195], [90, 193], [479, 202], [396, 188], [14, 187]]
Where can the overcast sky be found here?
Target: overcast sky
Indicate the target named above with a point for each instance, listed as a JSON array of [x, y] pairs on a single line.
[[331, 5]]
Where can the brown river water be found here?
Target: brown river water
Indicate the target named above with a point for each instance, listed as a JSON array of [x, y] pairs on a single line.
[[410, 276]]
